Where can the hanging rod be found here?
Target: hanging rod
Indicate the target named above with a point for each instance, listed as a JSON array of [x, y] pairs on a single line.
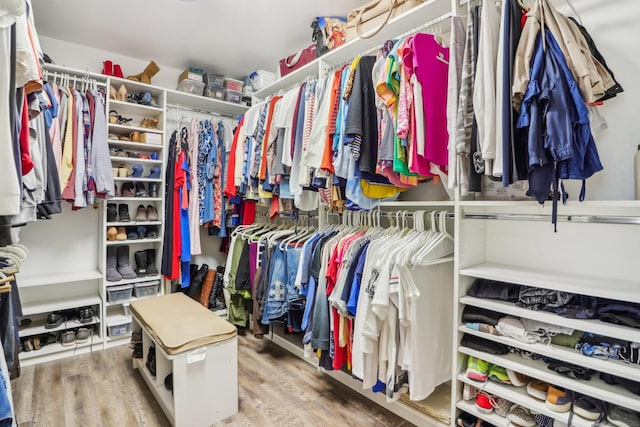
[[600, 219], [198, 110]]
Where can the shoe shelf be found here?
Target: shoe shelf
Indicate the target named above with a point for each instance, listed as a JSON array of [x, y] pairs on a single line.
[[623, 290], [135, 199], [162, 395], [520, 396], [56, 350], [137, 146], [491, 418], [135, 160], [129, 108], [134, 86], [37, 326], [58, 278], [60, 304], [594, 387], [137, 179], [132, 242], [131, 281], [615, 367], [127, 129], [132, 224], [585, 325]]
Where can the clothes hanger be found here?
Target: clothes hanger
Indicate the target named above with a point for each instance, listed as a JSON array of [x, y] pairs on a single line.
[[574, 11]]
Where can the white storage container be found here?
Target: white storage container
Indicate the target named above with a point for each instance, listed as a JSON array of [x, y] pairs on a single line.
[[261, 78], [119, 293], [118, 326]]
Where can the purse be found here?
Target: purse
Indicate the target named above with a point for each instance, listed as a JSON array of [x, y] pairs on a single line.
[[373, 16], [328, 33], [297, 60]]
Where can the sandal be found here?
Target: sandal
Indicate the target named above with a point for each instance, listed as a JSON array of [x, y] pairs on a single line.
[[113, 117]]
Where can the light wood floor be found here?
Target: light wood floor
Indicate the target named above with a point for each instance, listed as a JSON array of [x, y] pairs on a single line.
[[275, 389]]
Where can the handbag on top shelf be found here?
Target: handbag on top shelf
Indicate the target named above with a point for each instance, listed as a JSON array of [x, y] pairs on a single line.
[[374, 16]]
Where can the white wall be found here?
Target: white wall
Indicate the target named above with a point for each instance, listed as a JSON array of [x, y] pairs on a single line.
[[82, 57]]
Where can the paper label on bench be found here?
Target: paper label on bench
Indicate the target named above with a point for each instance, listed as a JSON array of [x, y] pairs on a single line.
[[197, 355]]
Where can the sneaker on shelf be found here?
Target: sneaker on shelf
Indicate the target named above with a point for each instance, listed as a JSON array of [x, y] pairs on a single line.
[[499, 374], [538, 389], [137, 351], [517, 379], [484, 403], [623, 417], [559, 399], [589, 408], [521, 416], [477, 369], [502, 406]]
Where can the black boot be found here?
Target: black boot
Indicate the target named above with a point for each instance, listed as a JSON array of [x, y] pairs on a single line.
[[123, 211], [216, 299], [140, 190], [141, 263], [151, 262], [197, 279], [153, 189], [112, 212]]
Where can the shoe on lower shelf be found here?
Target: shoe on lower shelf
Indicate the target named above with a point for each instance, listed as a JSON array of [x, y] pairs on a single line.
[[484, 403], [477, 369], [623, 417], [68, 338], [538, 389], [521, 416], [559, 399], [54, 320], [83, 335]]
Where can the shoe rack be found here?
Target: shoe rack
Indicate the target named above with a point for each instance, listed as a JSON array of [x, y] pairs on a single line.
[[132, 235]]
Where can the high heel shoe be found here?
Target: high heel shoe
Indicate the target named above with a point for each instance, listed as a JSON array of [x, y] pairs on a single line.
[[107, 68], [117, 71], [112, 93], [122, 93]]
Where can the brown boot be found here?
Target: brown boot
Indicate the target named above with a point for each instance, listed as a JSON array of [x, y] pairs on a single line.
[[207, 285]]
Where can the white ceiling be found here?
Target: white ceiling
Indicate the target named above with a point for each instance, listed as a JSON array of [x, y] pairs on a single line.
[[232, 37]]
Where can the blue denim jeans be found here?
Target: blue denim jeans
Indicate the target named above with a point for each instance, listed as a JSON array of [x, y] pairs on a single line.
[[276, 302]]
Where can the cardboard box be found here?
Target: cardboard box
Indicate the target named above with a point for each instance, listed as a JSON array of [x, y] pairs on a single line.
[[151, 138], [191, 73], [493, 190]]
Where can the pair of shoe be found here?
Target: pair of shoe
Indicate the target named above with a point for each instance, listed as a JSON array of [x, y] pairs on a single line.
[[151, 360], [31, 343], [150, 123], [113, 211], [556, 398], [480, 370], [111, 69], [117, 119], [146, 263], [146, 214], [70, 337], [145, 76], [122, 233], [118, 266], [516, 414], [129, 189], [137, 351]]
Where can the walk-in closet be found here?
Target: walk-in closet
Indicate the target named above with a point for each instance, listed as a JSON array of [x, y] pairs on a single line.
[[298, 213]]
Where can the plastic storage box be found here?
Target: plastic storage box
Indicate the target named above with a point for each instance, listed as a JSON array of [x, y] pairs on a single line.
[[151, 138], [261, 78], [191, 73], [233, 96], [147, 289], [119, 293], [191, 86], [214, 92], [214, 79], [233, 84], [118, 326]]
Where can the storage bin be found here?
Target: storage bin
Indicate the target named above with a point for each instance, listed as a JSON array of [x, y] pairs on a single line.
[[146, 289], [214, 92], [261, 78], [191, 86], [233, 84], [233, 96], [213, 79], [127, 309], [151, 138], [191, 73], [118, 326], [119, 293]]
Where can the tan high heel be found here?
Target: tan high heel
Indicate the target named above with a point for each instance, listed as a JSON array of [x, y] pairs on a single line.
[[122, 93], [112, 93]]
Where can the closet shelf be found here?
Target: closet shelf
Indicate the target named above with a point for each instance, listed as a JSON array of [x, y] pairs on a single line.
[[60, 304], [137, 146], [520, 396], [614, 367], [204, 103], [130, 281], [94, 343], [57, 278], [290, 80], [132, 224], [132, 242], [127, 129], [129, 108], [135, 160], [37, 327], [135, 199], [492, 418], [618, 289], [162, 395], [133, 87], [585, 325], [538, 369], [137, 179]]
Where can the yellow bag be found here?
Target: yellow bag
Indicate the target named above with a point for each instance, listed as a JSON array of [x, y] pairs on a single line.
[[375, 15]]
